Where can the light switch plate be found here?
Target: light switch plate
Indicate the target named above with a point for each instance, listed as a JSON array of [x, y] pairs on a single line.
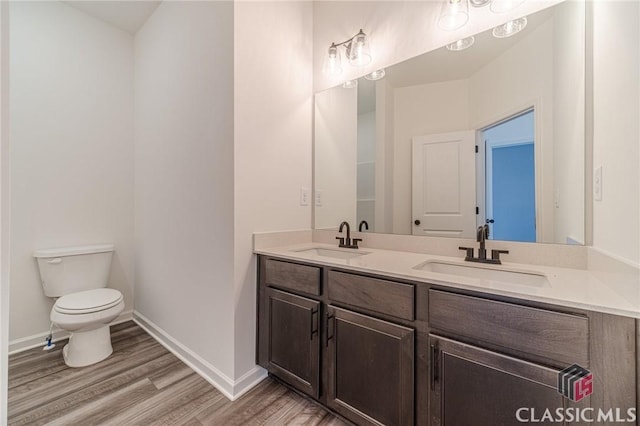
[[597, 184], [304, 196]]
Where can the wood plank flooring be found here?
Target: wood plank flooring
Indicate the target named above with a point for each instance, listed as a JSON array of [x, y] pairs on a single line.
[[142, 383]]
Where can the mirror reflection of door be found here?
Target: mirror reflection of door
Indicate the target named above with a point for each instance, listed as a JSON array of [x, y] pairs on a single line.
[[443, 185], [510, 201]]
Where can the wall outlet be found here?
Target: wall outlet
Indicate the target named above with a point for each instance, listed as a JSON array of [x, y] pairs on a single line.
[[597, 184], [304, 196], [318, 198]]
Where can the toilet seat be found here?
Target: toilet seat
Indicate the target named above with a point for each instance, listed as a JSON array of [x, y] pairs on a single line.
[[85, 302]]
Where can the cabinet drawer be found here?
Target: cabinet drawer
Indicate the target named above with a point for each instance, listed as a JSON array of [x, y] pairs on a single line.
[[373, 294], [302, 278], [555, 337]]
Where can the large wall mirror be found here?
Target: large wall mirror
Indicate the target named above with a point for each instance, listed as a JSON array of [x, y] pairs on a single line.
[[451, 140]]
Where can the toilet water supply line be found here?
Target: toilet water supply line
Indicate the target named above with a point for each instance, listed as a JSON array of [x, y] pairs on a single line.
[[49, 345]]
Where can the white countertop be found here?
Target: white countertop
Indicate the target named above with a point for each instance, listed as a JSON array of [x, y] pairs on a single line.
[[575, 288]]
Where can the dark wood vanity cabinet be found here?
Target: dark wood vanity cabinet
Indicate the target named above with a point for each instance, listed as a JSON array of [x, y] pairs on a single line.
[[311, 335], [293, 340], [470, 385], [382, 351], [370, 369]]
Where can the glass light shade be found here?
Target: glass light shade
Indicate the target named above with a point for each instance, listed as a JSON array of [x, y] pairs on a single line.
[[502, 6], [376, 75], [510, 28], [332, 63], [462, 44], [350, 84], [454, 14], [358, 50], [479, 3]]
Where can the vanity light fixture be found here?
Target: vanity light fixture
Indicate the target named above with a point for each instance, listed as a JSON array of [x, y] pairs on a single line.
[[350, 84], [454, 14], [376, 75], [461, 44], [357, 51], [332, 63], [510, 28]]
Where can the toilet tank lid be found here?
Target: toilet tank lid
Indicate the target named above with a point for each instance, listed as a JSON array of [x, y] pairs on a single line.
[[73, 251]]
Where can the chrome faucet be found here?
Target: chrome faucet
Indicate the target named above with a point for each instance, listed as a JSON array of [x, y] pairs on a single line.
[[347, 242], [481, 236]]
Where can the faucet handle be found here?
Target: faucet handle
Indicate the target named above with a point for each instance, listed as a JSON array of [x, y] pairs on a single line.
[[341, 244], [355, 242], [495, 254], [469, 252]]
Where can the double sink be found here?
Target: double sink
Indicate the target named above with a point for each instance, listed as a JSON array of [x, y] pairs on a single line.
[[478, 271]]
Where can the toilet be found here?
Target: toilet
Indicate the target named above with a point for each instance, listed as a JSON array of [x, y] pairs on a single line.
[[77, 277]]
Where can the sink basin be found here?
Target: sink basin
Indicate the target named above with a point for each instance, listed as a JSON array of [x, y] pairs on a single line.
[[333, 253], [527, 278]]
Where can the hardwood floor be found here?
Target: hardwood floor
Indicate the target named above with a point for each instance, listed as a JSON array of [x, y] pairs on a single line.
[[142, 383]]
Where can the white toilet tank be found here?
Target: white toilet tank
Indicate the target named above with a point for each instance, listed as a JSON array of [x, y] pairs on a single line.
[[72, 269]]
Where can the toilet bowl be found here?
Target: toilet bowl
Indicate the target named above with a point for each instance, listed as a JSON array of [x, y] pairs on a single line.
[[87, 315], [77, 277]]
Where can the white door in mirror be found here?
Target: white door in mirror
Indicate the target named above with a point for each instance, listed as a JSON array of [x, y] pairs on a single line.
[[443, 186]]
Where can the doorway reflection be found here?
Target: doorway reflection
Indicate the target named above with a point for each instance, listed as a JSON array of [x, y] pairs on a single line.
[[510, 195]]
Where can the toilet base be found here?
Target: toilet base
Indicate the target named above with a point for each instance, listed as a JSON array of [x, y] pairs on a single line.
[[88, 347]]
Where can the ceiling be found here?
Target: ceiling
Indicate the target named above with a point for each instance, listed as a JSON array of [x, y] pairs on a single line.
[[128, 15], [442, 65]]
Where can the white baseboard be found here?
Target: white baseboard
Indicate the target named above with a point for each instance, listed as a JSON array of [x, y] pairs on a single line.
[[230, 388], [36, 340]]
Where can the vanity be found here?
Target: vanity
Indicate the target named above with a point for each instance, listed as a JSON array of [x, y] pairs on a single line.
[[380, 338], [403, 330]]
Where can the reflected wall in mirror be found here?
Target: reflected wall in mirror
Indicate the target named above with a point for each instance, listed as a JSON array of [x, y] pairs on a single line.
[[400, 152]]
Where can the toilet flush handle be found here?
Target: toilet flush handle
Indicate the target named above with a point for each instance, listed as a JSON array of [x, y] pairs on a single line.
[[55, 261]]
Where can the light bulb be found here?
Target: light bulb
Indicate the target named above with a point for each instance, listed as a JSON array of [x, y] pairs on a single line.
[[376, 75], [358, 50], [332, 62], [350, 84], [510, 28], [462, 44], [454, 14]]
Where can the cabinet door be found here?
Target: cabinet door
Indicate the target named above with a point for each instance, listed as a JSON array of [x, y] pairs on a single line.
[[473, 386], [294, 342], [369, 368]]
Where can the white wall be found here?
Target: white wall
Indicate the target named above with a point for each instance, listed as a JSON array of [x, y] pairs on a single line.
[[421, 110], [398, 31], [336, 151], [72, 148], [184, 225], [616, 139], [273, 108]]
